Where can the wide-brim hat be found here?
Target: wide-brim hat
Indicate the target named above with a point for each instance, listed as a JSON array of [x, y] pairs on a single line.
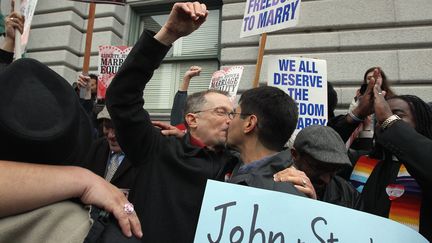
[[41, 119], [322, 143]]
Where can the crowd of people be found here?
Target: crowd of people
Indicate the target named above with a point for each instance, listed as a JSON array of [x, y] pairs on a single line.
[[145, 180]]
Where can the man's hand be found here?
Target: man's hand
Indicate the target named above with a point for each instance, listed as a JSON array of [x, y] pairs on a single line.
[[103, 194], [192, 72], [366, 101], [168, 130], [298, 178], [14, 21], [382, 108], [83, 81], [189, 74], [184, 19]]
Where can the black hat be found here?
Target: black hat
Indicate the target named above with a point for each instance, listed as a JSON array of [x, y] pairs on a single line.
[[41, 119], [322, 143]]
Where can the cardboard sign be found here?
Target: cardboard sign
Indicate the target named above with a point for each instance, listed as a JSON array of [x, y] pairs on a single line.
[[227, 79], [247, 214], [110, 60], [262, 16], [118, 2], [305, 80], [27, 9]]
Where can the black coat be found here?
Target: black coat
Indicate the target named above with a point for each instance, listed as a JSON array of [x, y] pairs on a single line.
[[261, 176], [170, 185], [97, 160], [342, 193]]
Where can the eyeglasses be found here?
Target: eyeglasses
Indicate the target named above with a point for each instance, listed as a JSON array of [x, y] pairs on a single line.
[[220, 111]]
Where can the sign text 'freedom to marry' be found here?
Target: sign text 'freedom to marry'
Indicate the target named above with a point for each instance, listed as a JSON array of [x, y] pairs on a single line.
[[269, 15]]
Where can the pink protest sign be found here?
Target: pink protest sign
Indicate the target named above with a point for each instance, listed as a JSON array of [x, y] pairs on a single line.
[[227, 79], [110, 60]]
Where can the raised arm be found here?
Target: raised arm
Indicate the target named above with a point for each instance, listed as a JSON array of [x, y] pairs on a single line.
[[180, 97], [136, 134], [12, 21]]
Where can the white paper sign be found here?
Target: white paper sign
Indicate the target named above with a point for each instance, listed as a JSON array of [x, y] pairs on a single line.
[[269, 15]]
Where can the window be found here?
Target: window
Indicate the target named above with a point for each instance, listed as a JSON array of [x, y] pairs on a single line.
[[200, 48]]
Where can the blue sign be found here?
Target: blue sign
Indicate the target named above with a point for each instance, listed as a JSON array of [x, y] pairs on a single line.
[[234, 213]]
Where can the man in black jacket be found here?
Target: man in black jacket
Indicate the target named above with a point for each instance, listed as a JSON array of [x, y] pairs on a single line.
[[173, 172], [107, 159]]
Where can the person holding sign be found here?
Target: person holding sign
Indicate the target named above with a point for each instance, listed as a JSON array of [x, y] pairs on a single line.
[[396, 177], [173, 172], [12, 22]]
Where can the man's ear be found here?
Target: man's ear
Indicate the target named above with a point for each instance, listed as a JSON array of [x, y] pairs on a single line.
[[251, 122], [191, 120]]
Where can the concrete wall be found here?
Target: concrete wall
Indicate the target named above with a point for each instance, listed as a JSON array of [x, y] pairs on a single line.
[[352, 36], [57, 37]]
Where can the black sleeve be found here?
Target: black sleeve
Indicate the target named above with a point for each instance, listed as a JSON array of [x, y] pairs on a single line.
[[124, 98], [6, 58], [177, 110], [412, 149], [342, 127]]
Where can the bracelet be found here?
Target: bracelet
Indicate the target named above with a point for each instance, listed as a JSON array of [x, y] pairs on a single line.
[[389, 121], [354, 117]]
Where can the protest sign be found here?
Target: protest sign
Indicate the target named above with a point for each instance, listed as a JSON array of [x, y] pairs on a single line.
[[26, 8], [119, 2], [227, 79], [262, 16], [305, 80], [110, 60], [246, 214]]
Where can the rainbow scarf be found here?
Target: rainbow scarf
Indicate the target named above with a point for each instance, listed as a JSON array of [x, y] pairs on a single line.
[[405, 194]]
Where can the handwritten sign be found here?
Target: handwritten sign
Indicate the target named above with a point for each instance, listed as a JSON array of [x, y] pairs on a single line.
[[305, 80], [246, 214], [269, 15], [110, 60], [227, 79]]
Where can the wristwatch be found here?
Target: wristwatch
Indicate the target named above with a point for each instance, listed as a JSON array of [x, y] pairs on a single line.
[[389, 121]]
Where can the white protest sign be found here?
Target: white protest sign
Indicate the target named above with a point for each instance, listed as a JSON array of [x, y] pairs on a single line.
[[234, 213], [27, 9], [110, 60], [227, 79], [305, 80], [269, 15]]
